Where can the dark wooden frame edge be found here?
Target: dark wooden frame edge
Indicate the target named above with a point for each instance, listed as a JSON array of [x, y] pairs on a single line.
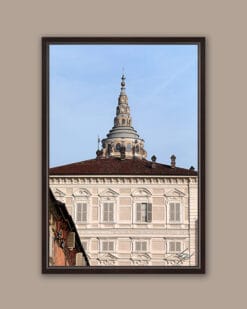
[[201, 42]]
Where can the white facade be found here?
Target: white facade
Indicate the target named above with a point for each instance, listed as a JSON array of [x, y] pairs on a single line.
[[133, 220]]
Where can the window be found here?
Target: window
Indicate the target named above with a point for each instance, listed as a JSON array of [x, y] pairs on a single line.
[[107, 245], [70, 240], [108, 212], [81, 212], [143, 212], [118, 146], [175, 246], [129, 147], [79, 259], [140, 246], [174, 212]]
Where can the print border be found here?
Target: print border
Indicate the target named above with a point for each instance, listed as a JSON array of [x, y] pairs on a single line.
[[201, 268]]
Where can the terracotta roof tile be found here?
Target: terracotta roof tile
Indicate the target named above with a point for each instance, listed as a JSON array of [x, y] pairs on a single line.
[[115, 166]]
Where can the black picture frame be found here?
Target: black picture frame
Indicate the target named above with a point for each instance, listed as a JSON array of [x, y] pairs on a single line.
[[200, 268]]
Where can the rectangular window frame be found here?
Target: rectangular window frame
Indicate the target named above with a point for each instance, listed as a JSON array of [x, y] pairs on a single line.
[[110, 245], [143, 214], [178, 246], [83, 217], [142, 244], [175, 216], [108, 214]]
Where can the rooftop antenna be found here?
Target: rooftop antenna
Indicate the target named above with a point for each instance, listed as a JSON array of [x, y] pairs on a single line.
[[98, 142]]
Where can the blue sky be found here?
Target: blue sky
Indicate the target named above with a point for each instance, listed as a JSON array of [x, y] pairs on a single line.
[[161, 84]]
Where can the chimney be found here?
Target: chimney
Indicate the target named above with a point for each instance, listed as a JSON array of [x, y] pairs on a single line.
[[153, 158], [173, 161]]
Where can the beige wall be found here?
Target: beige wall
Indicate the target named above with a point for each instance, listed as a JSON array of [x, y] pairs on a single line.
[[124, 245], [22, 24], [159, 232]]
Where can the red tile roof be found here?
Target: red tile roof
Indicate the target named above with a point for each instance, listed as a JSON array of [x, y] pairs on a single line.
[[115, 166]]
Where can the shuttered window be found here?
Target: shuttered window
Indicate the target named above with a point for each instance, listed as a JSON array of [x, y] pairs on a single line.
[[107, 245], [81, 212], [143, 212], [140, 246], [108, 213], [71, 240], [175, 246], [174, 212], [79, 259]]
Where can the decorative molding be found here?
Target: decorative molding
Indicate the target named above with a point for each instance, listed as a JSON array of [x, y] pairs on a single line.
[[140, 259], [81, 192], [108, 232], [59, 193], [107, 256], [177, 258], [141, 192], [108, 193], [140, 256], [106, 259], [56, 180], [175, 193]]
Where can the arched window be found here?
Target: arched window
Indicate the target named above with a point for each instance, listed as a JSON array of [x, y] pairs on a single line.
[[128, 147], [118, 146]]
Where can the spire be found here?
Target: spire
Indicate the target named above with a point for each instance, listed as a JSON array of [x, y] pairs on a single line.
[[123, 135], [123, 118]]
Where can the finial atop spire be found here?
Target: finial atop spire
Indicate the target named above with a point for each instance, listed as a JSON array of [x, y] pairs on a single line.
[[123, 84]]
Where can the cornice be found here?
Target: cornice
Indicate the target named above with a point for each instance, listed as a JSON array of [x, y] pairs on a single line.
[[109, 180], [98, 232]]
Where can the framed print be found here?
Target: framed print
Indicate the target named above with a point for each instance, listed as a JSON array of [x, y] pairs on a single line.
[[123, 179]]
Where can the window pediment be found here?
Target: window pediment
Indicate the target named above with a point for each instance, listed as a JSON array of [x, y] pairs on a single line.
[[108, 193], [141, 192], [174, 193], [82, 192], [59, 193]]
